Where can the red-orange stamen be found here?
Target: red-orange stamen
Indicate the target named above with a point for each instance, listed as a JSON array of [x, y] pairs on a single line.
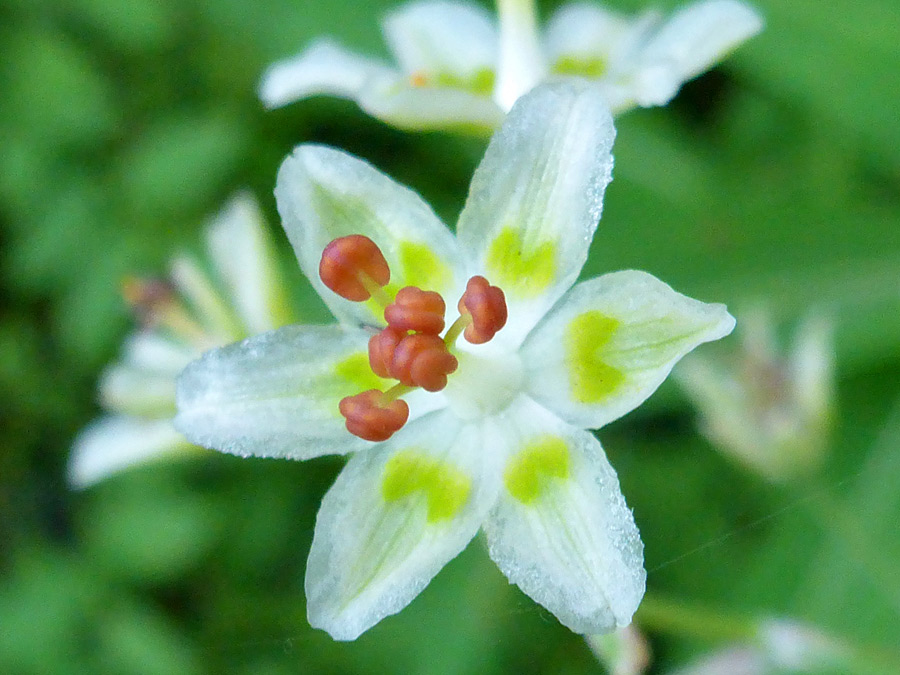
[[351, 266], [487, 306], [422, 360], [372, 418], [416, 310], [381, 350]]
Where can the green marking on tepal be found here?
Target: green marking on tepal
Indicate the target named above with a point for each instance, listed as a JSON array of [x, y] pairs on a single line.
[[591, 378], [519, 269], [589, 66], [421, 267], [410, 472], [529, 474], [480, 82], [356, 371]]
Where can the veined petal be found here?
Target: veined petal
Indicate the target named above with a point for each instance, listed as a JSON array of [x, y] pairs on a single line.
[[412, 107], [536, 198], [324, 193], [277, 394], [394, 517], [111, 444], [323, 68], [691, 41], [611, 342], [244, 256], [561, 530], [444, 44]]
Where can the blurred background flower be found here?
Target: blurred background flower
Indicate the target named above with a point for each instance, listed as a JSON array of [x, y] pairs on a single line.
[[773, 179]]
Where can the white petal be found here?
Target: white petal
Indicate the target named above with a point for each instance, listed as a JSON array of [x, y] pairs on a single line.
[[561, 530], [611, 342], [218, 322], [450, 44], [431, 108], [323, 68], [112, 444], [521, 64], [536, 198], [276, 394], [691, 41], [584, 35], [244, 256], [394, 517], [142, 382], [324, 193]]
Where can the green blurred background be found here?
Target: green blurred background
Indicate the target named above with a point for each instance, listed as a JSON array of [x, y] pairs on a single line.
[[773, 179]]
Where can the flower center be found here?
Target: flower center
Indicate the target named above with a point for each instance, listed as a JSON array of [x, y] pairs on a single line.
[[410, 349]]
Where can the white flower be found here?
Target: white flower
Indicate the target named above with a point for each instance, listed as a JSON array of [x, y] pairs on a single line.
[[623, 652], [503, 447], [184, 318], [456, 69], [770, 411]]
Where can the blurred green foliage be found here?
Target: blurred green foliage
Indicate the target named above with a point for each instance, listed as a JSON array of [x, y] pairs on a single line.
[[774, 179]]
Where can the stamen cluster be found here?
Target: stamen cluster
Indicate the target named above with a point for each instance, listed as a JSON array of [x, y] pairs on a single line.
[[410, 348]]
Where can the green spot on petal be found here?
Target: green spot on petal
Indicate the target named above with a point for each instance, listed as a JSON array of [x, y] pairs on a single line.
[[591, 378], [521, 269], [529, 474], [422, 268], [480, 82], [591, 67], [357, 373], [411, 472]]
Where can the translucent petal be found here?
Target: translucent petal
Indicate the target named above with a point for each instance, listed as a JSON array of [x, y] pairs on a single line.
[[112, 444], [611, 342], [536, 198], [324, 193], [585, 35], [244, 256], [394, 517], [277, 394], [444, 43], [431, 108], [561, 530], [521, 59], [691, 41], [323, 68]]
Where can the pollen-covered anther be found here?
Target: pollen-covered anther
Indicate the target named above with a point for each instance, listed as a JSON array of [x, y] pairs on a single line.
[[416, 310], [354, 267], [424, 361], [381, 350], [372, 417], [487, 306]]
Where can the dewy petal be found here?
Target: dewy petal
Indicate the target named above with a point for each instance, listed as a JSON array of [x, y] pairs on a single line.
[[561, 530], [407, 106], [394, 517], [324, 193], [244, 256], [111, 444], [277, 394], [611, 342], [536, 198], [444, 44], [691, 41], [323, 68]]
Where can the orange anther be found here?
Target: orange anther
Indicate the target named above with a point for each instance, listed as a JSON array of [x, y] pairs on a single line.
[[422, 360], [371, 418], [418, 79], [487, 305], [381, 350], [416, 310], [351, 265]]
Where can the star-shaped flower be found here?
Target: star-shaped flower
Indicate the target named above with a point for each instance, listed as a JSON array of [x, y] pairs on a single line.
[[456, 68], [181, 319], [504, 445]]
